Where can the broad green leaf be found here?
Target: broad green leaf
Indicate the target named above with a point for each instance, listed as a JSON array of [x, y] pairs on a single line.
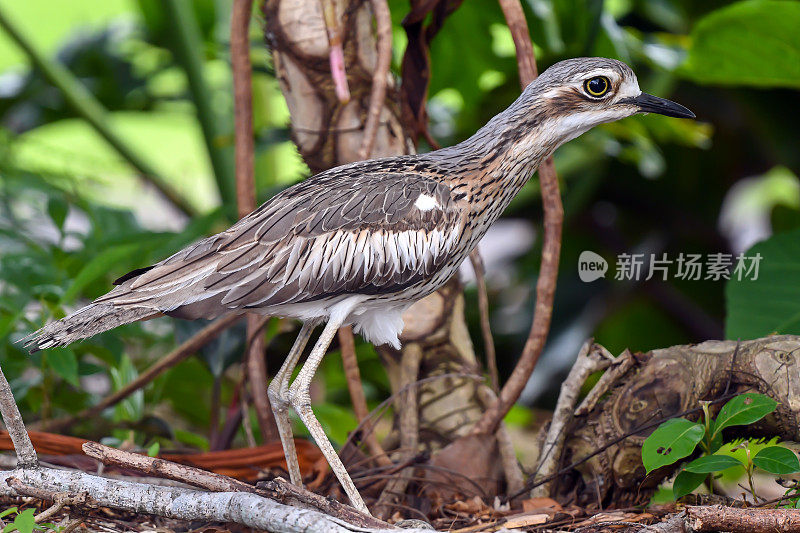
[[777, 460], [99, 266], [712, 463], [754, 43], [685, 482], [24, 522], [771, 302], [674, 439], [64, 363], [742, 410]]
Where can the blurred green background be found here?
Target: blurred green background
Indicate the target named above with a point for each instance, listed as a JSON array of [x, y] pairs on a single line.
[[155, 76]]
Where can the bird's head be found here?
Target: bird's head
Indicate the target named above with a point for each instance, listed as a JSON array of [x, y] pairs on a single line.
[[578, 94]]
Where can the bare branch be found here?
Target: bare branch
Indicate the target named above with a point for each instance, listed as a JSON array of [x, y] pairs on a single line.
[[383, 22], [244, 148], [243, 508], [551, 247], [353, 376], [486, 326], [736, 520], [246, 200], [26, 454]]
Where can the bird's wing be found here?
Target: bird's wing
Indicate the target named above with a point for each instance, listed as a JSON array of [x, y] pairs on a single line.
[[330, 235]]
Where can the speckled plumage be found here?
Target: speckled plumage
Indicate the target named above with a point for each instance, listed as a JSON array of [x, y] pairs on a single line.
[[361, 242]]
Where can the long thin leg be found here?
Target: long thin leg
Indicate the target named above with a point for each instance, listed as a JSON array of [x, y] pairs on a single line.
[[301, 401], [278, 393]]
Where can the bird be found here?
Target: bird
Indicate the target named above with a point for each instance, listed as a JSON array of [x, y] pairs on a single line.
[[358, 244]]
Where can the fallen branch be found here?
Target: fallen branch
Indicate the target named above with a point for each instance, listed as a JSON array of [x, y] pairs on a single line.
[[742, 520], [186, 349], [551, 247], [243, 508], [219, 483]]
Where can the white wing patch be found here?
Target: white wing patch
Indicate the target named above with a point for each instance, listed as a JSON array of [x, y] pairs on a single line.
[[426, 203]]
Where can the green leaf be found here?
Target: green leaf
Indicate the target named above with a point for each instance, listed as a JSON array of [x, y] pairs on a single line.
[[152, 451], [64, 363], [712, 463], [57, 209], [7, 512], [777, 460], [24, 522], [754, 43], [685, 482], [674, 439], [99, 266], [742, 410], [771, 302]]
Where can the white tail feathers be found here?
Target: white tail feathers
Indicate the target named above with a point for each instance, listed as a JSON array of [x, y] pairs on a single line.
[[84, 323]]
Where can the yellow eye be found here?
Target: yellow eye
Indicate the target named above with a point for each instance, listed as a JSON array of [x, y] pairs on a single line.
[[597, 86]]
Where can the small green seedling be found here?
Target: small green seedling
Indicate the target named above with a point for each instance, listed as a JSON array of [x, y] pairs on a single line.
[[678, 438], [24, 521]]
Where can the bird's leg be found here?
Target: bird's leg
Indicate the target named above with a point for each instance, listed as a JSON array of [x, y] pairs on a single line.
[[301, 401], [278, 393]]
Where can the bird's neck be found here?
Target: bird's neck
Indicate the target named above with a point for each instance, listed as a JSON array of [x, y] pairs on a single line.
[[500, 157]]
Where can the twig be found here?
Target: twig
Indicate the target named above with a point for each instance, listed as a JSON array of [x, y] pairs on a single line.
[[156, 467], [257, 376], [383, 23], [336, 52], [220, 483], [526, 59], [486, 326], [244, 151], [283, 491], [742, 520], [551, 247], [244, 146], [92, 111], [26, 454], [353, 376], [189, 347], [515, 479], [589, 360], [408, 409]]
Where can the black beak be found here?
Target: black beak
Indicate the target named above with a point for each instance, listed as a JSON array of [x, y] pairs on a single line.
[[647, 103]]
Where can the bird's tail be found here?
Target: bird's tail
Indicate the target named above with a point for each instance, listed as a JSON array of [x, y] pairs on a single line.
[[84, 323]]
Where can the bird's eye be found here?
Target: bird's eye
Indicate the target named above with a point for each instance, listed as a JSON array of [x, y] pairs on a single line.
[[597, 86]]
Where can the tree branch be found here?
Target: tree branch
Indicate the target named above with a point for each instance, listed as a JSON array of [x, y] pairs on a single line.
[[351, 372], [243, 508], [486, 326], [26, 454], [383, 22], [244, 151], [551, 246]]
